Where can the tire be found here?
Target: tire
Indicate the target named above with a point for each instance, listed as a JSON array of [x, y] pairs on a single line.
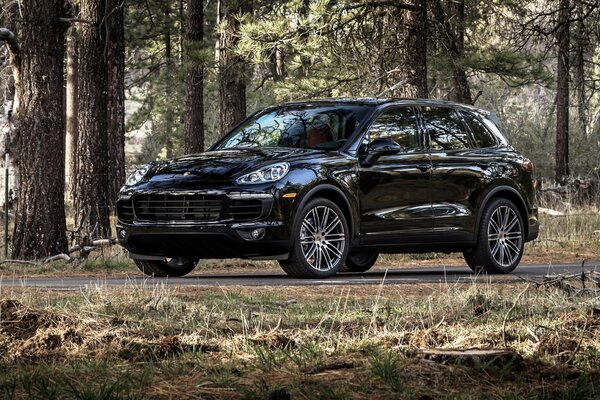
[[359, 262], [178, 266], [320, 241], [500, 239]]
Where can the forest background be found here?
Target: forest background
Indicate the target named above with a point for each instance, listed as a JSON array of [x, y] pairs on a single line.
[[92, 88]]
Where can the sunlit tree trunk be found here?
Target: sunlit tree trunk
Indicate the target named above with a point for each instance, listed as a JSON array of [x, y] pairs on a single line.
[[72, 110], [40, 228]]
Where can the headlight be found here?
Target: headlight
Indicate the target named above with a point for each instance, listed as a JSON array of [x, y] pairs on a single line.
[[137, 175], [266, 174]]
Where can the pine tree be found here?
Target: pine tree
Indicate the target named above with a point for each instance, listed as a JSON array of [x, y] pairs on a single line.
[[40, 228], [91, 183], [232, 71], [194, 85], [562, 91], [115, 56]]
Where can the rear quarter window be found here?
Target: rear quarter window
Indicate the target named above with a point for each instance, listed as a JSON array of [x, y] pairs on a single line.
[[481, 134], [446, 129]]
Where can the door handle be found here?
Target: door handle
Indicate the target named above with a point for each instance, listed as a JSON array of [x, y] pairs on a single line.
[[424, 167]]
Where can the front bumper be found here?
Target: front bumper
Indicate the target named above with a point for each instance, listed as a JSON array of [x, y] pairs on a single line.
[[205, 241], [189, 224]]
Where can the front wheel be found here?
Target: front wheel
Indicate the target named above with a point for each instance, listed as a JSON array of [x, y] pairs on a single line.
[[178, 266], [500, 240], [320, 236]]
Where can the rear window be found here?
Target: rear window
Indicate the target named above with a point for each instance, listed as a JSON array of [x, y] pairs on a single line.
[[446, 129], [482, 136]]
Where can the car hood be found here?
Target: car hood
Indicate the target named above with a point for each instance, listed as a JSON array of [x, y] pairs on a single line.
[[223, 165]]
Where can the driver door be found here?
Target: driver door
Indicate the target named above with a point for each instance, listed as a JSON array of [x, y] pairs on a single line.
[[395, 192]]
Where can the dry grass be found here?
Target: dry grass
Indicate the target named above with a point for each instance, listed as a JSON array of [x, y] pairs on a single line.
[[166, 342]]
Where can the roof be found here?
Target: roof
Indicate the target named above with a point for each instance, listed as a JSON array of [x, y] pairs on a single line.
[[379, 101]]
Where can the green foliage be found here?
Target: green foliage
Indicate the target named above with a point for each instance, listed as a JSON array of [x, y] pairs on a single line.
[[385, 367], [581, 389], [309, 49]]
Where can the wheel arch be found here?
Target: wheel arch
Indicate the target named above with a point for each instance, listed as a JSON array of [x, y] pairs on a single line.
[[336, 195], [506, 192]]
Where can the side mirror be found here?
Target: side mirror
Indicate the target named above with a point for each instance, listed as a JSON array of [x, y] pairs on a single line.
[[380, 147]]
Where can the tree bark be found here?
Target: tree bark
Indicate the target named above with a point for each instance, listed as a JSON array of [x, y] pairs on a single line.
[[580, 46], [462, 90], [116, 98], [194, 84], [72, 111], [415, 51], [451, 38], [562, 92], [232, 79], [40, 228], [91, 202], [168, 89]]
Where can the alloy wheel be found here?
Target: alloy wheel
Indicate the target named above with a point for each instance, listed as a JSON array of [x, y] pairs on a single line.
[[322, 238], [505, 236]]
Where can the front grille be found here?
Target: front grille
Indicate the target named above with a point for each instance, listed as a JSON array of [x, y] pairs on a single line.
[[125, 210], [177, 207], [246, 210]]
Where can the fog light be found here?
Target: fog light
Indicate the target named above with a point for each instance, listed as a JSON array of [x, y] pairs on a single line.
[[257, 233], [121, 233]]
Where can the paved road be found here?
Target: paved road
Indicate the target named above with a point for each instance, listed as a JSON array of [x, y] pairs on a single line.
[[391, 276]]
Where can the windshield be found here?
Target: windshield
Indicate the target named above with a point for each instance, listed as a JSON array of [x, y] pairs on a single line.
[[298, 127]]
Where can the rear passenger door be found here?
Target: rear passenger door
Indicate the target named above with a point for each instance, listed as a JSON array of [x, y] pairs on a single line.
[[456, 176]]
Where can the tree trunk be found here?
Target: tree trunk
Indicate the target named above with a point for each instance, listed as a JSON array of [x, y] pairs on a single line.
[[168, 91], [194, 85], [415, 51], [72, 111], [462, 90], [562, 92], [451, 38], [232, 80], [91, 203], [40, 228], [580, 45], [116, 99]]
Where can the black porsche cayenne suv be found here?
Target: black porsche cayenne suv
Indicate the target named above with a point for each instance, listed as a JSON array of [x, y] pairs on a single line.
[[325, 186]]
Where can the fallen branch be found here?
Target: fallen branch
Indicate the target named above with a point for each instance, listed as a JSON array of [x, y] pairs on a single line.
[[94, 244], [474, 356], [57, 257], [18, 262]]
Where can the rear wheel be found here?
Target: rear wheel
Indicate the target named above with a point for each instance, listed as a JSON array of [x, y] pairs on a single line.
[[359, 262], [500, 240], [320, 241], [178, 266]]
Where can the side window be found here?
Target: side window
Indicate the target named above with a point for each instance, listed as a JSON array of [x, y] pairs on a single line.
[[483, 137], [446, 129], [399, 124]]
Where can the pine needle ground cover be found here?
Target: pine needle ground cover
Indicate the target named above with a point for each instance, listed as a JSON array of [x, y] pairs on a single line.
[[525, 341]]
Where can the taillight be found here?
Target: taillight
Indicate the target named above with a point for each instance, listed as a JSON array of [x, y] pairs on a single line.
[[527, 165]]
